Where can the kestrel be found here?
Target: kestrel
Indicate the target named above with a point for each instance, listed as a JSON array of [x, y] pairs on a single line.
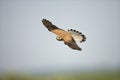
[[69, 37]]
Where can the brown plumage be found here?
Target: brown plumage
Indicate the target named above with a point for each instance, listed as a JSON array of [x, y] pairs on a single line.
[[62, 35]]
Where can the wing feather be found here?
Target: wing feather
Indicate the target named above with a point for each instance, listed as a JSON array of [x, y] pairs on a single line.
[[52, 27], [68, 40], [73, 45]]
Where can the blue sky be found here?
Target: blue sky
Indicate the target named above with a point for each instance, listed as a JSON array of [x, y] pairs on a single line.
[[25, 44]]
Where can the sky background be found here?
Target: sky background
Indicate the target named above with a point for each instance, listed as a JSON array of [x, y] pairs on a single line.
[[25, 44]]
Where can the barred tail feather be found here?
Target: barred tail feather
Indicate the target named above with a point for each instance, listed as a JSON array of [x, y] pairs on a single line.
[[78, 36]]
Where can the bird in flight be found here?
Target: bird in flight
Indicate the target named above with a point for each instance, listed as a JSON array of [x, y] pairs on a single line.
[[70, 37]]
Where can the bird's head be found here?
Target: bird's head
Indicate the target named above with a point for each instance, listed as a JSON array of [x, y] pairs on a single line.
[[59, 38]]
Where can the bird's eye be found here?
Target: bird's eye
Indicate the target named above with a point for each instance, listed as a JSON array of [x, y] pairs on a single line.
[[59, 38]]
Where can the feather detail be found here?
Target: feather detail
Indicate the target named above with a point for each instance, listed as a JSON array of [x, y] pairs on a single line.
[[78, 36]]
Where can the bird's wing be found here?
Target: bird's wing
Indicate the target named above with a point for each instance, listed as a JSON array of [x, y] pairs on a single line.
[[52, 27], [73, 45], [68, 40]]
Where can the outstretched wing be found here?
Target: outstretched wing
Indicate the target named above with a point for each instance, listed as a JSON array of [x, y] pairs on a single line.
[[69, 40], [72, 44], [52, 27]]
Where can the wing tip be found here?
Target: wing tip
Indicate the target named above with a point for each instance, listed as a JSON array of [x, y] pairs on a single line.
[[79, 49], [47, 24], [43, 20]]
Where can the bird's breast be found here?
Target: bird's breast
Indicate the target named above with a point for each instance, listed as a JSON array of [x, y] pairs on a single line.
[[67, 38]]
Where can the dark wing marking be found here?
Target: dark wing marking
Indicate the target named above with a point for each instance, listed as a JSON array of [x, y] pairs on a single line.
[[72, 44], [52, 27]]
